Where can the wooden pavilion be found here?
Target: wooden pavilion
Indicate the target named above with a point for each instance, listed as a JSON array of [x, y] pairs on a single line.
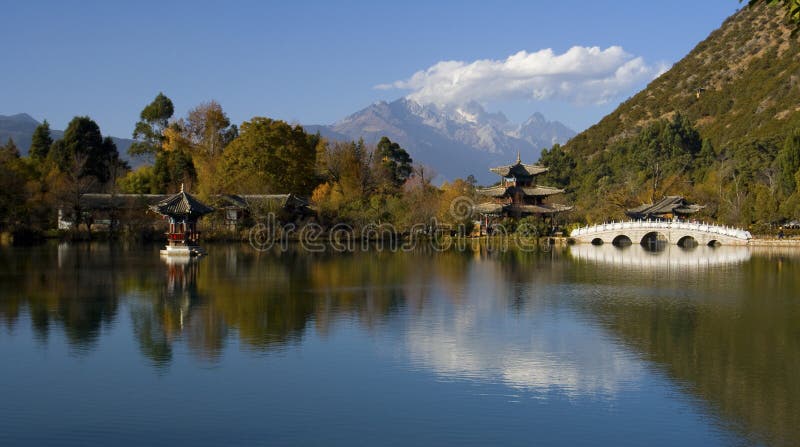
[[183, 210], [518, 195]]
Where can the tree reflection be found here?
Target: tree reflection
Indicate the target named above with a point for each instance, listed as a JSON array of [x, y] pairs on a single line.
[[733, 340], [727, 331], [78, 291]]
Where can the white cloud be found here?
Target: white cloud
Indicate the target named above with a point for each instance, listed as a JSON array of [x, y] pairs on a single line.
[[582, 75]]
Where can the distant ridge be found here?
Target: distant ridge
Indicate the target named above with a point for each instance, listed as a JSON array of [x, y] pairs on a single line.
[[20, 128]]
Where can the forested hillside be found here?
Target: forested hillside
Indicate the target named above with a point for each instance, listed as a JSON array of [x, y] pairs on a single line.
[[720, 127]]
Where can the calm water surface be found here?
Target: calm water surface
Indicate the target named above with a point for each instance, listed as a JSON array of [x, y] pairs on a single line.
[[110, 345]]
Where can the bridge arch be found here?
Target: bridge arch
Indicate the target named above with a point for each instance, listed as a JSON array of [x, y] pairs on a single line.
[[687, 242], [713, 243], [654, 238], [597, 241], [622, 241], [654, 232]]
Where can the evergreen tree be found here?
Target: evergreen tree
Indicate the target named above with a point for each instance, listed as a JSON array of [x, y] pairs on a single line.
[[149, 131], [395, 162], [41, 142], [84, 144], [12, 187], [788, 163], [560, 165], [171, 169]]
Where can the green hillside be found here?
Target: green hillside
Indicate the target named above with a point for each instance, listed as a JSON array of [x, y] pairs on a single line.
[[717, 128]]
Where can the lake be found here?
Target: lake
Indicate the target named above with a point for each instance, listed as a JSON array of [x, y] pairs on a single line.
[[107, 344]]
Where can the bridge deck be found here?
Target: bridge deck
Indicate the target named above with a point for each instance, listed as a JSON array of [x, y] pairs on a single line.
[[672, 231]]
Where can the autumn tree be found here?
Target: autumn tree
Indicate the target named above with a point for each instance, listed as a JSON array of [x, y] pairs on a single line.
[[206, 133], [270, 156], [209, 130], [348, 182]]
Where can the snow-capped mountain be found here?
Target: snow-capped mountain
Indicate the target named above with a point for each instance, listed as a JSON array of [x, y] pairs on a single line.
[[455, 141]]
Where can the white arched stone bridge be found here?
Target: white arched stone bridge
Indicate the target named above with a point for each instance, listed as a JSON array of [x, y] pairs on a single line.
[[670, 232]]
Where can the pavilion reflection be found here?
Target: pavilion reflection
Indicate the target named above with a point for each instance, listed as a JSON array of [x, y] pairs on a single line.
[[178, 312]]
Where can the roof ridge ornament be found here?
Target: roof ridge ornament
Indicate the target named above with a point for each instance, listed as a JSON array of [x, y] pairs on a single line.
[[181, 186], [519, 158]]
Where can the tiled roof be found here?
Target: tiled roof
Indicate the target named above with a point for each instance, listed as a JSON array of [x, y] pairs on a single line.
[[540, 209], [532, 191], [497, 208], [542, 191], [488, 208], [519, 170], [181, 204], [667, 205]]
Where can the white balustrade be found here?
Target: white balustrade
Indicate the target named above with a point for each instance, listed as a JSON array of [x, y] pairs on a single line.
[[662, 225]]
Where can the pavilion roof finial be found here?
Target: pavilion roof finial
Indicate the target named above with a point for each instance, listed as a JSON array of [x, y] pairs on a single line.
[[181, 187], [519, 159]]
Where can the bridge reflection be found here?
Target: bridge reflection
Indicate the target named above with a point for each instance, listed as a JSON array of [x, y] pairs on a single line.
[[670, 257]]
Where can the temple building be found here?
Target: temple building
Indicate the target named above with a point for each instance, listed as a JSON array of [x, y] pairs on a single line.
[[518, 195], [182, 210], [668, 208]]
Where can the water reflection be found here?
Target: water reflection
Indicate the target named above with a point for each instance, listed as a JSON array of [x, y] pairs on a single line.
[[721, 323], [724, 328], [532, 345], [666, 257]]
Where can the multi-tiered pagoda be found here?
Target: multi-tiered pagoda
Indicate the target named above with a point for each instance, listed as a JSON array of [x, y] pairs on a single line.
[[518, 195]]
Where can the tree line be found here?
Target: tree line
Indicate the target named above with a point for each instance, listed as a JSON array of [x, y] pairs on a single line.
[[348, 182], [752, 183]]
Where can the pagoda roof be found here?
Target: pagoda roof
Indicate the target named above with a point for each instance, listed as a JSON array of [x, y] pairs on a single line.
[[489, 208], [529, 191], [181, 204], [667, 205], [499, 208], [519, 170], [541, 191], [551, 208]]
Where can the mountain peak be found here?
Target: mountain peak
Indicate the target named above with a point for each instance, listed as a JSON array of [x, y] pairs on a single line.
[[536, 118], [455, 140], [25, 117]]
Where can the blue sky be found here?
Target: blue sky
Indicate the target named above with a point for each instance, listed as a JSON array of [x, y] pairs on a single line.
[[311, 62]]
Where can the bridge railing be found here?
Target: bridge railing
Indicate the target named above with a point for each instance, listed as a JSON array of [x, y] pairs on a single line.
[[662, 225]]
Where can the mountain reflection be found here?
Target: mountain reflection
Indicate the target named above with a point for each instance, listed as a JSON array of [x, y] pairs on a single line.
[[721, 323]]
